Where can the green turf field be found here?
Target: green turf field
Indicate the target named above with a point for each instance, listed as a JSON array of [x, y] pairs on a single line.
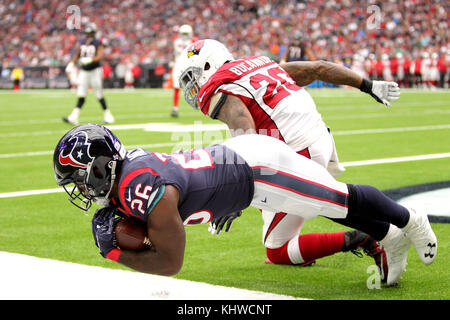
[[46, 225]]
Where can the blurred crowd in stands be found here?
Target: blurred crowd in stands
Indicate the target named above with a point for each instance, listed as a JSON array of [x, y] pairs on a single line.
[[390, 39]]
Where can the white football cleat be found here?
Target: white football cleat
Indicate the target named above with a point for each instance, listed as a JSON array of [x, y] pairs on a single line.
[[396, 245], [73, 117], [419, 231], [108, 117]]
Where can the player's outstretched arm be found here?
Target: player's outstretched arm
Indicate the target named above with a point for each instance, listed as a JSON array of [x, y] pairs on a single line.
[[305, 72]]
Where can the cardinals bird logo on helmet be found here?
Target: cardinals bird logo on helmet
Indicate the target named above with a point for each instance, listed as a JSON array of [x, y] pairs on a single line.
[[195, 49]]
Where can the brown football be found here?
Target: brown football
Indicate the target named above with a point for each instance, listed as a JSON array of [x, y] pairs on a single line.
[[131, 234]]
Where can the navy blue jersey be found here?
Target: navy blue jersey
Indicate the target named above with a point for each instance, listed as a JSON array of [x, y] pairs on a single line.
[[212, 182], [88, 48], [296, 53]]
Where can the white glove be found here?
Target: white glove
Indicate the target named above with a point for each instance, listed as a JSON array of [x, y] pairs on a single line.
[[386, 91], [85, 60], [382, 91], [69, 67]]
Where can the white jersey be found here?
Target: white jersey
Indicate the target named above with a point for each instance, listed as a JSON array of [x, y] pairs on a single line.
[[179, 44], [279, 107]]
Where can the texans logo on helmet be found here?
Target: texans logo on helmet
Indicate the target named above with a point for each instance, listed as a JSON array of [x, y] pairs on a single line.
[[196, 47], [76, 152]]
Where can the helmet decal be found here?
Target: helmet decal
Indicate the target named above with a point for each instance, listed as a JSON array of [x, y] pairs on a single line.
[[195, 49], [76, 152]]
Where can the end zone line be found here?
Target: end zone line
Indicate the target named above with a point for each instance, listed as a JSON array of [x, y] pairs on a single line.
[[345, 164]]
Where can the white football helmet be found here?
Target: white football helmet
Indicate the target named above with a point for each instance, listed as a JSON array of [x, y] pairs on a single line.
[[185, 31], [198, 62]]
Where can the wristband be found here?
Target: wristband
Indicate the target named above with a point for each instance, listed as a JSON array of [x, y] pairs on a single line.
[[114, 254], [366, 86]]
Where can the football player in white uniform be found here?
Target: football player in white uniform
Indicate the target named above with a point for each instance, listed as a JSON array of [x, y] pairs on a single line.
[[89, 56], [255, 94], [184, 38]]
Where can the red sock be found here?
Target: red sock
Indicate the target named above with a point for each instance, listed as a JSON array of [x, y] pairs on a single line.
[[312, 246], [318, 245], [175, 97]]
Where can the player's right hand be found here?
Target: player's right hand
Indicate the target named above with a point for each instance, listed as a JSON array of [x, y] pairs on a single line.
[[381, 91], [103, 223], [216, 225], [386, 91]]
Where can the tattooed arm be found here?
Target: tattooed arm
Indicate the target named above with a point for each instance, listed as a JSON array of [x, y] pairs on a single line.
[[236, 115], [305, 72]]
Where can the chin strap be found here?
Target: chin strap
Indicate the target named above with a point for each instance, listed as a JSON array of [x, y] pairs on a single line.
[[104, 201]]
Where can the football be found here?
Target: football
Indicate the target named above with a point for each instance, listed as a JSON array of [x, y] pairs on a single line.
[[131, 234]]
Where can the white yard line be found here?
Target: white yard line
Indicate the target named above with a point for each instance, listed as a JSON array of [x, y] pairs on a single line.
[[196, 127], [199, 126], [394, 160], [345, 164], [29, 278]]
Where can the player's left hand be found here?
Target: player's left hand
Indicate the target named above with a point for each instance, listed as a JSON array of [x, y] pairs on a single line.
[[216, 225], [382, 91], [103, 223], [85, 61]]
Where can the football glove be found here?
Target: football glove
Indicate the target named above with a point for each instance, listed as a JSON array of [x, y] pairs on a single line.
[[85, 61], [70, 67], [381, 91], [216, 225], [103, 224]]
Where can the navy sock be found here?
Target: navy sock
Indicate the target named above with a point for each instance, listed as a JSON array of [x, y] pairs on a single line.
[[371, 211], [375, 228], [368, 201], [103, 103], [80, 102]]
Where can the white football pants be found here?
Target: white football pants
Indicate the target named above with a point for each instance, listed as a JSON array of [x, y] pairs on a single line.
[[288, 182], [93, 78]]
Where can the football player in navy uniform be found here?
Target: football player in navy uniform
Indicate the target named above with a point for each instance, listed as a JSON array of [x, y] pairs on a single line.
[[297, 50], [89, 56], [171, 191]]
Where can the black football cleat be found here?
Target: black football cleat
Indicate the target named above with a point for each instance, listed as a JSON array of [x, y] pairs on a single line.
[[355, 240]]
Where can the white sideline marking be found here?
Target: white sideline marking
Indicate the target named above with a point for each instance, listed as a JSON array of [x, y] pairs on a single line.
[[29, 193], [345, 164], [29, 278]]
